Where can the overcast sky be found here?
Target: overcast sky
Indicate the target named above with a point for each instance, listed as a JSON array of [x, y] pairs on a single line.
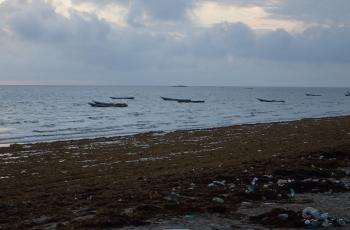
[[170, 42]]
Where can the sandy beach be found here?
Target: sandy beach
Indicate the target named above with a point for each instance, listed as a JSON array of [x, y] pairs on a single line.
[[194, 179]]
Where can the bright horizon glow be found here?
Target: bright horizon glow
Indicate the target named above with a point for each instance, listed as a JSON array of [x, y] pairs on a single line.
[[210, 13]]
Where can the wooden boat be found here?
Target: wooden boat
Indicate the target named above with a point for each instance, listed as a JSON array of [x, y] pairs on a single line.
[[126, 98], [200, 101], [313, 95], [265, 100], [184, 101], [181, 100], [347, 94], [174, 99], [190, 101], [105, 104]]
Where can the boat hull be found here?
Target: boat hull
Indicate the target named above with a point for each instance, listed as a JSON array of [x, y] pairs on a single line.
[[106, 105], [265, 100]]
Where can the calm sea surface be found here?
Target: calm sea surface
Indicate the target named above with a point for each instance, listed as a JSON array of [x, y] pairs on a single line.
[[45, 113]]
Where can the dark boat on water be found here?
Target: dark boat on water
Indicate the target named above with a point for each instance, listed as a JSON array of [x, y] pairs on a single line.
[[120, 98], [265, 100], [106, 104], [181, 100], [347, 94], [200, 101], [313, 95], [174, 99], [184, 101], [189, 101]]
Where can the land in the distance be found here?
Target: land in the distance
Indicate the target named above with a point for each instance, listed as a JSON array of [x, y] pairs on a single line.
[[146, 179]]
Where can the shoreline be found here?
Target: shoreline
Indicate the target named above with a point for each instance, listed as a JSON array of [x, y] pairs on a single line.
[[147, 179], [164, 132]]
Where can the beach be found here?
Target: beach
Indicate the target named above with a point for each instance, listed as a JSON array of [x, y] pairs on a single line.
[[193, 178]]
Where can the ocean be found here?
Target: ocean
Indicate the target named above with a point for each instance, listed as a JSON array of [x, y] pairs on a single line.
[[48, 113]]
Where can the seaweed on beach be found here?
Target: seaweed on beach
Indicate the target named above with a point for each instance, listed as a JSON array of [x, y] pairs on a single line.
[[122, 181]]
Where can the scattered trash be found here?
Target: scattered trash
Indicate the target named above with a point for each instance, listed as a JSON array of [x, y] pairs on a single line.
[[267, 185], [310, 212], [190, 216], [279, 218], [251, 187], [217, 183], [173, 196], [218, 200], [282, 182], [192, 186], [291, 193], [225, 195], [283, 216], [254, 181], [128, 211], [315, 218], [244, 203], [232, 186]]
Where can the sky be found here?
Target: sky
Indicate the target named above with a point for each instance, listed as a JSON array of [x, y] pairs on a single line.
[[175, 42]]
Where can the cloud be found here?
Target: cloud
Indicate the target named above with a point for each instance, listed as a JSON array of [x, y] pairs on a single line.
[[140, 12], [316, 44], [163, 10], [209, 13], [87, 37], [38, 22], [49, 46], [328, 12]]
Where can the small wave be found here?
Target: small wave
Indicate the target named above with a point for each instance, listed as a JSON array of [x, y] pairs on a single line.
[[136, 114], [164, 123], [95, 118], [31, 122], [76, 121], [79, 104], [133, 125], [14, 123], [48, 125], [143, 122]]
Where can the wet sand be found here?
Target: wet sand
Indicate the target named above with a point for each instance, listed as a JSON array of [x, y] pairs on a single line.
[[183, 178]]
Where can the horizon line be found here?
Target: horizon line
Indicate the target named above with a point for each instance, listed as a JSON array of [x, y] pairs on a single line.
[[180, 85]]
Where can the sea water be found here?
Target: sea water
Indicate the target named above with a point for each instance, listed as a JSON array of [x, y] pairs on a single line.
[[47, 113]]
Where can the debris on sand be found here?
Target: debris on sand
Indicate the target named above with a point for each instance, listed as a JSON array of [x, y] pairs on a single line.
[[309, 217], [315, 218], [279, 218], [218, 200]]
